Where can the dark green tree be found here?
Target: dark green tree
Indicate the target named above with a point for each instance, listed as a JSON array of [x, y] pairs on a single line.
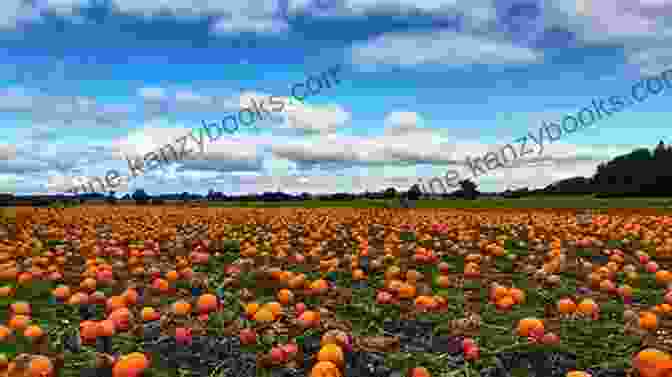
[[414, 193], [468, 189], [140, 196]]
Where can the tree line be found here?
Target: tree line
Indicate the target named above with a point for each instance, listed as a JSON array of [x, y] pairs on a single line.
[[640, 173]]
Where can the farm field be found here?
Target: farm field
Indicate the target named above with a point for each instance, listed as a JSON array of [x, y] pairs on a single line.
[[130, 291], [532, 202]]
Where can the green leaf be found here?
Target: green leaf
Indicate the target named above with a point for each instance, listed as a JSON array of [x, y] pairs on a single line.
[[9, 349], [52, 243]]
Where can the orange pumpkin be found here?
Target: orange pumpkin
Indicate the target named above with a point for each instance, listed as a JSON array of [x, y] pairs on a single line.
[[172, 276], [498, 292], [332, 353], [130, 365], [358, 274], [663, 277], [319, 285], [587, 306], [647, 361], [310, 317], [207, 303], [251, 309], [88, 331], [181, 308], [149, 314], [5, 333], [130, 296], [105, 328], [264, 315], [285, 296], [33, 332], [506, 302], [19, 322], [407, 291], [527, 325], [325, 369], [121, 318], [425, 302], [61, 292], [566, 306], [274, 307], [648, 321], [40, 366], [577, 373]]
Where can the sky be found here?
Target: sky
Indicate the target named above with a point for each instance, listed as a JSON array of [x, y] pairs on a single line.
[[423, 85]]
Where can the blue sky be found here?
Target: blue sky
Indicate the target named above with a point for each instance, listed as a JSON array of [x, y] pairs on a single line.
[[425, 84]]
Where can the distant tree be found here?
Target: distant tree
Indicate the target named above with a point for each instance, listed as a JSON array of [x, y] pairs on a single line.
[[306, 196], [574, 185], [414, 193], [638, 172], [642, 172], [6, 200], [140, 196], [341, 196], [390, 193], [468, 188], [211, 194]]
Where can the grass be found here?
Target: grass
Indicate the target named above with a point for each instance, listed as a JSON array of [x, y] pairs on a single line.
[[536, 202], [531, 202]]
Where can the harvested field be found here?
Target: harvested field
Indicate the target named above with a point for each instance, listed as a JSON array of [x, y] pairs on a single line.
[[167, 291]]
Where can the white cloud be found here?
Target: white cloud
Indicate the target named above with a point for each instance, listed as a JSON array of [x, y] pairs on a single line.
[[7, 152], [367, 150], [440, 47], [158, 102], [152, 94], [145, 140], [62, 6], [47, 108], [61, 183], [149, 139], [651, 61], [175, 7], [15, 12], [401, 122], [322, 119], [249, 25], [188, 96]]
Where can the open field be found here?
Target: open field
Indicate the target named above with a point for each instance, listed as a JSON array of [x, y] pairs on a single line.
[[334, 292], [568, 202]]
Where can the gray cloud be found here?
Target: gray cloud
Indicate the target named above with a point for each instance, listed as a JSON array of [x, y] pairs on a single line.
[[42, 107]]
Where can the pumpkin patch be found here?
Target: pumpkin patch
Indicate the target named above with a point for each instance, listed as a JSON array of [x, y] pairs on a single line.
[[137, 291]]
